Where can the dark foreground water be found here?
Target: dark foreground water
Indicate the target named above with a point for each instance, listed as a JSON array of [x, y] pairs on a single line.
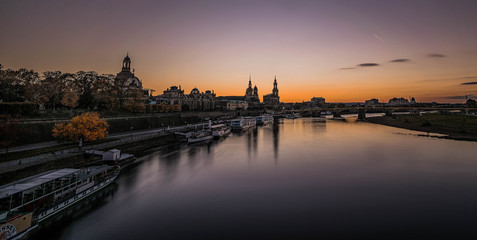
[[300, 179]]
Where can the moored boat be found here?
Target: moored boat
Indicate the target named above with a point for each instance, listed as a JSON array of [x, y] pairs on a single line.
[[243, 123], [293, 115], [27, 202], [220, 130], [264, 119], [325, 113], [200, 136], [183, 135]]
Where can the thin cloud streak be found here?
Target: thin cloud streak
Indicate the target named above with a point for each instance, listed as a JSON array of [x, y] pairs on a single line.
[[447, 79], [469, 83], [436, 55], [400, 60], [346, 68], [379, 38], [367, 65]]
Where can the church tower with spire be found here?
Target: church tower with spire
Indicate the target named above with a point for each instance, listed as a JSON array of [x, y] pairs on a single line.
[[275, 87], [249, 90], [272, 98], [251, 94]]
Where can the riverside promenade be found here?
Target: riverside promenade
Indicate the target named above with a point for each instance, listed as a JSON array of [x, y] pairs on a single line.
[[120, 139]]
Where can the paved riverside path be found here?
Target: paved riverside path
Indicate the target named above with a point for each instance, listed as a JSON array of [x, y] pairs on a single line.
[[114, 135], [122, 138]]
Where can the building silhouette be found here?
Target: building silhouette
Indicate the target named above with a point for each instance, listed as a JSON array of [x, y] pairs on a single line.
[[272, 98], [251, 94], [131, 93], [398, 102], [318, 101], [195, 101], [371, 102], [126, 78]]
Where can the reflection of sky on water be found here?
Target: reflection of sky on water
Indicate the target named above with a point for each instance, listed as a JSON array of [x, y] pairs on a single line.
[[298, 178]]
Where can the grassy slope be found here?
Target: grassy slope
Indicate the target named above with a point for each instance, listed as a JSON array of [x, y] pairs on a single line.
[[459, 127]]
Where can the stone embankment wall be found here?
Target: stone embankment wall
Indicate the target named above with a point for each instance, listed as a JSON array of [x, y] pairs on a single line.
[[40, 130]]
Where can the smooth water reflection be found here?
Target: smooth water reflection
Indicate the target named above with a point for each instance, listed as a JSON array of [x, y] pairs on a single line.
[[297, 179]]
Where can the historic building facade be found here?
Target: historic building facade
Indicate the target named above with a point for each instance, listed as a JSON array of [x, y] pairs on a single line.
[[272, 98], [198, 101], [371, 102], [251, 94], [398, 102], [195, 101], [318, 101]]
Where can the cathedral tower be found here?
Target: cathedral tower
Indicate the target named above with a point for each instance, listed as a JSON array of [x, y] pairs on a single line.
[[275, 87]]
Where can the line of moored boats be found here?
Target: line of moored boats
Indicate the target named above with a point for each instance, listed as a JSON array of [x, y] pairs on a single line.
[[220, 130]]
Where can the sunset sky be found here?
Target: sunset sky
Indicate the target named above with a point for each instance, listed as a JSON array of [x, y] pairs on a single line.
[[344, 51]]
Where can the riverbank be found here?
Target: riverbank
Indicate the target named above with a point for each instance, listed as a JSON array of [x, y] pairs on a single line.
[[38, 130], [456, 127], [78, 160]]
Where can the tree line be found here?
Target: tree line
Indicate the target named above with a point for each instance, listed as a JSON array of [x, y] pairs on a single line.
[[55, 89]]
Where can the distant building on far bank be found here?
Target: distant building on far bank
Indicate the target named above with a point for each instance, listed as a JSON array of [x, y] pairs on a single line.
[[318, 101], [232, 105], [315, 102], [398, 102], [371, 102], [195, 101]]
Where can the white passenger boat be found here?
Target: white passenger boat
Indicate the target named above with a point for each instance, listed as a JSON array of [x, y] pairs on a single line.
[[27, 202], [220, 130], [264, 119], [325, 113], [200, 136], [243, 123], [293, 115]]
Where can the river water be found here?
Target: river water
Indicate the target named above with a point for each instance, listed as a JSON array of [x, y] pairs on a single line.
[[298, 179]]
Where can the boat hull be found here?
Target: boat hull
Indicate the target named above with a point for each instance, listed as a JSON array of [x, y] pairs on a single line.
[[200, 139], [221, 133]]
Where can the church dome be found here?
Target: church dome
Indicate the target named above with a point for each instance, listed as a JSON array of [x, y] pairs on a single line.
[[127, 79], [195, 91]]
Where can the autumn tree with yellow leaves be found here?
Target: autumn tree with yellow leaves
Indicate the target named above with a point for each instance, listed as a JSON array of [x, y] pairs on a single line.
[[85, 127]]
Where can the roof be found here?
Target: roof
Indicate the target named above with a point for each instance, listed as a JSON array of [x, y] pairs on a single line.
[[218, 126], [33, 181], [27, 183]]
